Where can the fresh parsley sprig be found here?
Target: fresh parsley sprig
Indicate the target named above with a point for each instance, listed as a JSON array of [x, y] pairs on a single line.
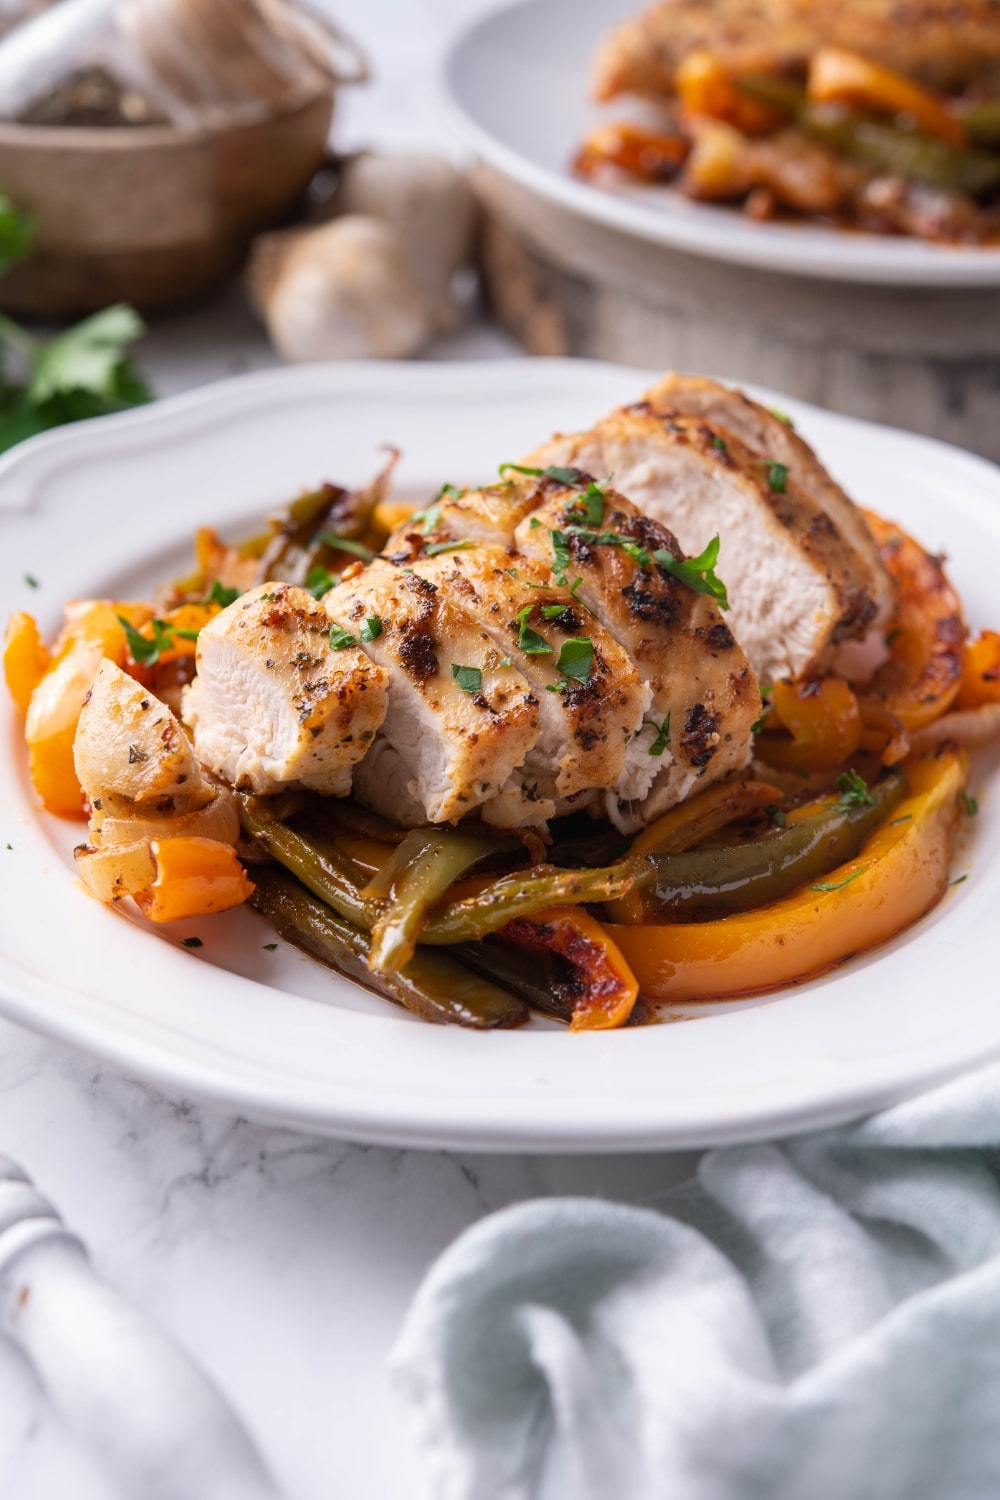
[[854, 791], [662, 734], [697, 573], [530, 642]]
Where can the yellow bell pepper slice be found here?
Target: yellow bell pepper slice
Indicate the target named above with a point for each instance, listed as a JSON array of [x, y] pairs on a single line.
[[25, 658], [900, 873]]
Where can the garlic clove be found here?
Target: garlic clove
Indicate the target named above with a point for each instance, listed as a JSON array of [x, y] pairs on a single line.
[[429, 203], [342, 290]]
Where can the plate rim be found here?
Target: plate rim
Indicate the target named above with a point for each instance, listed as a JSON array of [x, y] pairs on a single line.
[[354, 1116], [773, 248]]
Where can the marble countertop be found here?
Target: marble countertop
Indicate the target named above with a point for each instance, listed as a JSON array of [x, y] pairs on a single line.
[[283, 1262]]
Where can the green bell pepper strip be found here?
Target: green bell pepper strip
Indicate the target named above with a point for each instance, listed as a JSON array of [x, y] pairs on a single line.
[[432, 985], [739, 877]]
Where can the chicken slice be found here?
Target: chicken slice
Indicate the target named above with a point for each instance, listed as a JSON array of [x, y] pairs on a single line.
[[129, 748], [795, 586], [704, 696], [461, 718], [586, 726], [274, 704], [772, 437]]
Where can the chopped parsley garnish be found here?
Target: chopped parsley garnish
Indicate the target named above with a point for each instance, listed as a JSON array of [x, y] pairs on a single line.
[[553, 611], [758, 724], [969, 804], [837, 885], [340, 638], [436, 548], [853, 791], [185, 635], [576, 658], [611, 539], [192, 942], [560, 556], [426, 520], [371, 629], [450, 492], [469, 679], [590, 505], [720, 443], [662, 734], [782, 416], [220, 594], [534, 524], [270, 947], [960, 880], [146, 652], [344, 544], [777, 475], [530, 642], [31, 581], [561, 476], [698, 572], [776, 815], [319, 581], [904, 819]]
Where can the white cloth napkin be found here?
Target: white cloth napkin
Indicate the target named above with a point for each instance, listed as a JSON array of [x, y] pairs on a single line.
[[818, 1320]]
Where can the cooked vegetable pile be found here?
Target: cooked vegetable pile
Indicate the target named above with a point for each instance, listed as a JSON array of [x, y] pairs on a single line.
[[845, 139], [829, 831]]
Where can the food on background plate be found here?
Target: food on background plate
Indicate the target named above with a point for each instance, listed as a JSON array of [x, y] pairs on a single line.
[[525, 749], [849, 114]]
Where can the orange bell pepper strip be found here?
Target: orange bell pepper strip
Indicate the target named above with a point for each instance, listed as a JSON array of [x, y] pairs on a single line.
[[926, 635], [646, 154], [25, 658], [705, 88], [837, 76], [599, 984], [91, 631], [194, 877], [980, 672], [189, 618], [823, 719], [899, 874]]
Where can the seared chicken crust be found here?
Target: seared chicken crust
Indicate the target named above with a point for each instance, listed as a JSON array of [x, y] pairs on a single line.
[[703, 692], [945, 43], [273, 704]]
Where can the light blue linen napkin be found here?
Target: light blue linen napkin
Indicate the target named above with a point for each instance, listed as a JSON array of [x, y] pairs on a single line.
[[816, 1320]]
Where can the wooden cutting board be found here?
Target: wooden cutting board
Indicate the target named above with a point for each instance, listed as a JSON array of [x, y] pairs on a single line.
[[924, 359]]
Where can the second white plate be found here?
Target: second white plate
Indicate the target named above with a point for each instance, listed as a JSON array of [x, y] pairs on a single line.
[[517, 86]]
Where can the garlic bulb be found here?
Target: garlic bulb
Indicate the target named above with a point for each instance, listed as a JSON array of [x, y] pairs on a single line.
[[342, 290], [429, 203]]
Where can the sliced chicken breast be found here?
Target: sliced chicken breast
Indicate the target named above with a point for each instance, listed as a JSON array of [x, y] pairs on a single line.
[[129, 748], [703, 692], [771, 436], [587, 720], [796, 588], [943, 42], [274, 704], [461, 717]]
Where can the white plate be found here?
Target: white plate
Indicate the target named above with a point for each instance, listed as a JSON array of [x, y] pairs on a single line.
[[109, 507], [517, 85]]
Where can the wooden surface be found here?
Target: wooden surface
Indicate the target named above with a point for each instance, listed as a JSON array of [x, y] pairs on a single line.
[[927, 360]]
